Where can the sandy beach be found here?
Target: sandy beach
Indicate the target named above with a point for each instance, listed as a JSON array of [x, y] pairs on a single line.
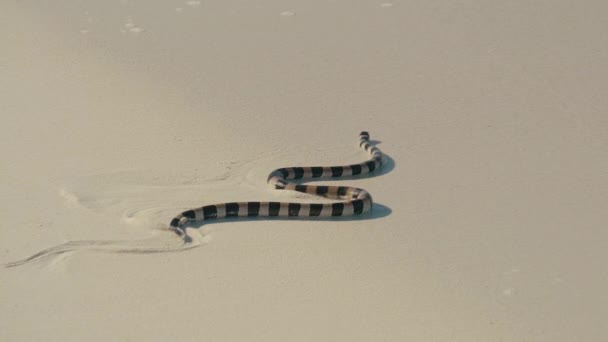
[[490, 214]]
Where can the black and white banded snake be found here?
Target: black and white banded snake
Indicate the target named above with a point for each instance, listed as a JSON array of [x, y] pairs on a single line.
[[353, 201]]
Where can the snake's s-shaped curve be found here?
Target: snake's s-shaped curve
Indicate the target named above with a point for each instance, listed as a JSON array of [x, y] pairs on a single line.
[[353, 201]]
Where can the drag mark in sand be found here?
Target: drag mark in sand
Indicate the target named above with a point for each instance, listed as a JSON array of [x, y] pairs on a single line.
[[110, 246], [98, 195]]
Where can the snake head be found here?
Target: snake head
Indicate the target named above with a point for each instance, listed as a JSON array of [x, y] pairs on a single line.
[[177, 230]]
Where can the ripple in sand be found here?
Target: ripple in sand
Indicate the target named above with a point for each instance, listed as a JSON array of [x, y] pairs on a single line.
[[193, 3]]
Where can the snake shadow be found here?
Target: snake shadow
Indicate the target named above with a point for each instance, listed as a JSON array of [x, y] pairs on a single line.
[[378, 211]]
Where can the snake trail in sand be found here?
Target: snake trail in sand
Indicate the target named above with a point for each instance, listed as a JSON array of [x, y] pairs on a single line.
[[352, 201]]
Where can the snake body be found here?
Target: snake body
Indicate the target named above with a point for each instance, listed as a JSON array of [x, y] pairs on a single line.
[[352, 200]]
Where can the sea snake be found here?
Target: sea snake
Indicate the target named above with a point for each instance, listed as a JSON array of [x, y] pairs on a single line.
[[353, 201]]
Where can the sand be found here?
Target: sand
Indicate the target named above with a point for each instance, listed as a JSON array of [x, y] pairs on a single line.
[[491, 215]]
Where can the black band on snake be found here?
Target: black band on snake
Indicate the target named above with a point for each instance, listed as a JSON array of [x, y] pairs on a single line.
[[353, 201]]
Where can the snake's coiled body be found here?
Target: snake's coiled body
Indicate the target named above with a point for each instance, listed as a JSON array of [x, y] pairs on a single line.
[[353, 201]]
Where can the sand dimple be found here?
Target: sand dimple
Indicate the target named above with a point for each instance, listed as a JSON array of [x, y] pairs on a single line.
[[69, 197], [136, 30], [131, 27], [508, 292], [288, 13]]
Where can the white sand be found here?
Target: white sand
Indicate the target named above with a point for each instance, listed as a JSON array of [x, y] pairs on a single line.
[[116, 115]]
